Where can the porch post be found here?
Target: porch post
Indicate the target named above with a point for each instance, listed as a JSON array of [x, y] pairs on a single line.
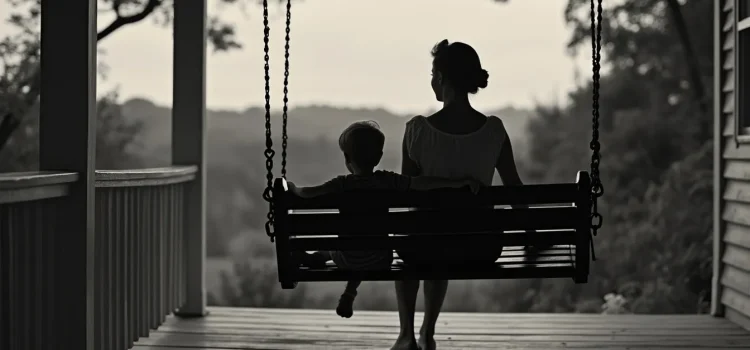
[[67, 141], [717, 308], [189, 141]]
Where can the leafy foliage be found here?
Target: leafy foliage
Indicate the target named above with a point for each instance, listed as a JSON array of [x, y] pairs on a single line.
[[655, 246]]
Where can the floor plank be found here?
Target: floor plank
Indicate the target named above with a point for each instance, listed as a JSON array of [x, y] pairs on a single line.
[[287, 329]]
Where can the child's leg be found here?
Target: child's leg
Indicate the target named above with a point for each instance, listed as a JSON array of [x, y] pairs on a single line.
[[351, 287], [314, 260], [346, 302]]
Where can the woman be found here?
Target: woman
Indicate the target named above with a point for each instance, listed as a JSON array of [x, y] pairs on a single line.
[[455, 142]]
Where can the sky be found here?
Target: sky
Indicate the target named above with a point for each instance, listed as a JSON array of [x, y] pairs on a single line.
[[359, 53]]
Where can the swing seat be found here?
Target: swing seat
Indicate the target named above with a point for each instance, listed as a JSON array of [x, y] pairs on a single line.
[[553, 218]]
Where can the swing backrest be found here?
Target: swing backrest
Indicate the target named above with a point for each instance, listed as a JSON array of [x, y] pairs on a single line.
[[546, 214]]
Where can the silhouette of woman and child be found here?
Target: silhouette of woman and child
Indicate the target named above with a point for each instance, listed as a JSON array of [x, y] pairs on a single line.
[[455, 147]]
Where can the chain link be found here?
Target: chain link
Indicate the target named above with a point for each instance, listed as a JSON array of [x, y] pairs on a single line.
[[269, 152], [284, 137], [597, 189]]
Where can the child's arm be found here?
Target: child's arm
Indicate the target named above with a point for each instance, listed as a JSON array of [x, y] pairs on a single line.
[[314, 191], [425, 183]]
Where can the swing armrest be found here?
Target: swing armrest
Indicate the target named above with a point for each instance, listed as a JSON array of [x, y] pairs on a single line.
[[280, 185]]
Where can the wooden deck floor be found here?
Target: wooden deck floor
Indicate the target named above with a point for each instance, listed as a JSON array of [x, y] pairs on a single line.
[[246, 328]]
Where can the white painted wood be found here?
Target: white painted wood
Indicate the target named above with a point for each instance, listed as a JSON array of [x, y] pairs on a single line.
[[717, 308], [743, 24]]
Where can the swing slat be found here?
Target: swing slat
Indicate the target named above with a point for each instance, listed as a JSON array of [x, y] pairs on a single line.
[[542, 267], [432, 221], [454, 241]]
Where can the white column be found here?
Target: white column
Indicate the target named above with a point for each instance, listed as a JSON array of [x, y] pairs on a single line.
[[189, 140], [67, 141]]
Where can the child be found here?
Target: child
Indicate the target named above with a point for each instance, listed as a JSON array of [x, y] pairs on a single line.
[[362, 145]]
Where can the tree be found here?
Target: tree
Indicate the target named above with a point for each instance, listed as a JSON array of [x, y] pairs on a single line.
[[19, 52], [655, 247]]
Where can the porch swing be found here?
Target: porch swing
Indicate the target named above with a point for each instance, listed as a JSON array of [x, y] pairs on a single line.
[[561, 218]]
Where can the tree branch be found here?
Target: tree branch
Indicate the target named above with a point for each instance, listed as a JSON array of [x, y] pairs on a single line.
[[12, 121], [121, 20]]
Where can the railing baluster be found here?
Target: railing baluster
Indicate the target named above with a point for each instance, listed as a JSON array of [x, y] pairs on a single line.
[[125, 267], [168, 249], [148, 266], [23, 286], [110, 285], [181, 280], [37, 218], [137, 257], [165, 253], [155, 262], [36, 273], [174, 247], [13, 254], [143, 263], [21, 226], [31, 308], [132, 265], [160, 251], [119, 268], [100, 270], [5, 285], [163, 309], [50, 242]]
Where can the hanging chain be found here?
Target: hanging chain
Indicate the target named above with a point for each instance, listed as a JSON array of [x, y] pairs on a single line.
[[269, 152], [597, 190], [284, 137]]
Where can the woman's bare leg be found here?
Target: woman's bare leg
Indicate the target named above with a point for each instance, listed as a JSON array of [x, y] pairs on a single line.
[[434, 295], [406, 294]]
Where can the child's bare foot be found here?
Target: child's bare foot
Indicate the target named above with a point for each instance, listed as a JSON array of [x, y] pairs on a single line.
[[405, 343], [346, 304]]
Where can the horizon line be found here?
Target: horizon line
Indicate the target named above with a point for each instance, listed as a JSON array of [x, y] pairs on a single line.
[[313, 104]]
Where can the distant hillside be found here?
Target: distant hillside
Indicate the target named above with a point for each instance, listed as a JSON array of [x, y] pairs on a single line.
[[226, 128]]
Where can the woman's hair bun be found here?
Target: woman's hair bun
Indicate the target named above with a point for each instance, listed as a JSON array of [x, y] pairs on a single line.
[[482, 78]]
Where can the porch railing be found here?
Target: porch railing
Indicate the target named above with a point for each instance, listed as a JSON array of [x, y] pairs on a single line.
[[139, 260], [29, 204]]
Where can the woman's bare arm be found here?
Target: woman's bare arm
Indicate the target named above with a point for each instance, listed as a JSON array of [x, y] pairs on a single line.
[[506, 165], [506, 168], [408, 166]]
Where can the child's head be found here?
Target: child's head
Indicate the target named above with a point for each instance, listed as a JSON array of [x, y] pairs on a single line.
[[362, 144]]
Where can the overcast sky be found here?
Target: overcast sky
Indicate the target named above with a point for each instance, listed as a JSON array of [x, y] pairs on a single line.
[[372, 53]]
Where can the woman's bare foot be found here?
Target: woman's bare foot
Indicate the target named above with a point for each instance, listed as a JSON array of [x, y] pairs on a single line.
[[426, 341], [405, 343]]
